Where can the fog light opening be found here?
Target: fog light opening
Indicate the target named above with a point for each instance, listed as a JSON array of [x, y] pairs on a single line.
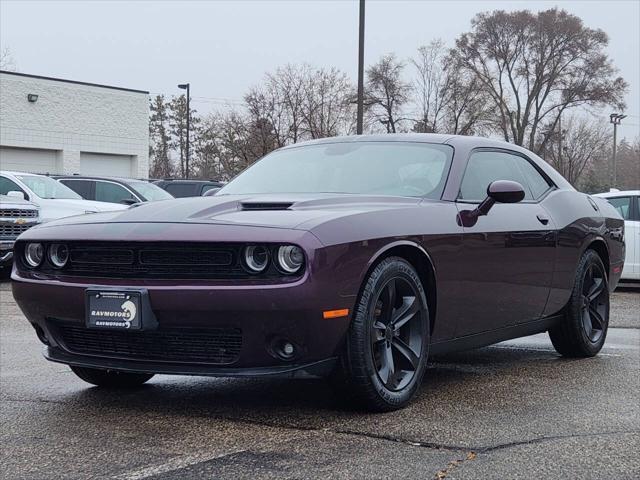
[[284, 349]]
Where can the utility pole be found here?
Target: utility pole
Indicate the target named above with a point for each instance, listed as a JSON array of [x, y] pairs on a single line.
[[185, 86], [615, 119], [360, 114]]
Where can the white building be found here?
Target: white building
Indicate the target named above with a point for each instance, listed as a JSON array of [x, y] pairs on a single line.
[[51, 125]]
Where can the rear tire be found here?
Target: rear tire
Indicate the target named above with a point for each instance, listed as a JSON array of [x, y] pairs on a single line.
[[388, 341], [583, 328], [111, 378]]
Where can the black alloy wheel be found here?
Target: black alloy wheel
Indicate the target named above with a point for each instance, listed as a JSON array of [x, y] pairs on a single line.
[[595, 303], [583, 328], [396, 339], [386, 350]]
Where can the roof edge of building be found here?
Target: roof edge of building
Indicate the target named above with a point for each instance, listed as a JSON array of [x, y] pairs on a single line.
[[75, 82]]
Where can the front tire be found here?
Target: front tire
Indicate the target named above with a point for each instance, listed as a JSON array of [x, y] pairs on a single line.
[[583, 329], [111, 378], [388, 340]]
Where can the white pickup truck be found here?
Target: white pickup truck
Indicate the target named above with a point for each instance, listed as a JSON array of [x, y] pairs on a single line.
[[54, 199], [16, 216]]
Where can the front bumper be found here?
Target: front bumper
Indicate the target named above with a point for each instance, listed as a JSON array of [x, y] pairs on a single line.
[[317, 369], [265, 314]]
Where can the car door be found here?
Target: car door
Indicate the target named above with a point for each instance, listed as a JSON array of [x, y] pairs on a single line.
[[627, 207], [181, 190], [84, 188], [7, 185], [508, 255], [113, 193]]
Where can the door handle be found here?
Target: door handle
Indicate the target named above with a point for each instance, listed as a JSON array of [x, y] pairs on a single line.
[[543, 219]]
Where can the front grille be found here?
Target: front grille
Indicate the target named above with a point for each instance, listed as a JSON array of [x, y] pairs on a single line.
[[213, 346], [17, 213], [154, 260], [13, 229]]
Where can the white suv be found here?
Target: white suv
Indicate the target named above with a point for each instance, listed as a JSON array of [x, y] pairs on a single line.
[[54, 199], [627, 203]]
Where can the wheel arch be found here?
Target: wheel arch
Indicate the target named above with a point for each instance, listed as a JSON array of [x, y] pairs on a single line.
[[599, 245], [420, 259]]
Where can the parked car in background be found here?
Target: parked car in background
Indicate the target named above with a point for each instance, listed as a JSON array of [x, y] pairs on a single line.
[[349, 257], [126, 191], [54, 199], [16, 216], [627, 203], [188, 188]]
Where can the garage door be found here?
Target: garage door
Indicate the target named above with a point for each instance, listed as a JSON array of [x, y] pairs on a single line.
[[105, 165], [29, 160]]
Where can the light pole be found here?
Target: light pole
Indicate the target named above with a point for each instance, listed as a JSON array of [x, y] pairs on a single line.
[[360, 113], [615, 118], [185, 86]]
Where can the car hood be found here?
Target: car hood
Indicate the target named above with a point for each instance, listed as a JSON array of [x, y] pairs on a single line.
[[82, 205], [13, 202], [292, 211]]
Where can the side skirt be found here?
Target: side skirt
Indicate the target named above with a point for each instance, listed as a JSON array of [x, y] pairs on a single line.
[[494, 336]]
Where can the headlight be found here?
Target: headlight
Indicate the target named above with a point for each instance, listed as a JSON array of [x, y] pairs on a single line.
[[58, 255], [290, 258], [256, 258], [33, 254]]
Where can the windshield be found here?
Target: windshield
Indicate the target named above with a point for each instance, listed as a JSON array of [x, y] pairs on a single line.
[[374, 168], [150, 191], [46, 187]]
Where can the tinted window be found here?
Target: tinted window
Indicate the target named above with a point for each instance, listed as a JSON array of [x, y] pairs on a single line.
[[622, 205], [537, 183], [180, 190], [486, 167], [373, 168], [112, 192], [81, 187], [7, 185], [150, 191]]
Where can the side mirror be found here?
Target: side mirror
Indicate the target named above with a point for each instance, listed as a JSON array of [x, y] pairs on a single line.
[[16, 194], [500, 191], [211, 192], [505, 191], [128, 201]]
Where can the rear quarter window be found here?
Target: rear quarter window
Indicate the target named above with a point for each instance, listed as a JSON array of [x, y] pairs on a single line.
[[180, 190]]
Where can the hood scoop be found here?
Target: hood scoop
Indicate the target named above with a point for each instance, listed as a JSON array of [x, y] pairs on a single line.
[[254, 206]]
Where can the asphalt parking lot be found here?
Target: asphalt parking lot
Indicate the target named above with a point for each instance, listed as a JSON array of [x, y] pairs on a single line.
[[515, 410]]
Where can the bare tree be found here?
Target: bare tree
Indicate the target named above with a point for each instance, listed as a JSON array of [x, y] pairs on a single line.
[[386, 92], [279, 100], [536, 66], [429, 85], [583, 144], [7, 62], [327, 109]]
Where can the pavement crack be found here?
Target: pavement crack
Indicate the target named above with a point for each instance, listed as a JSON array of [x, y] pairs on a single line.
[[543, 439]]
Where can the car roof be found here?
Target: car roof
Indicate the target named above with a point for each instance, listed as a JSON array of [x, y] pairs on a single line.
[[182, 180], [439, 138], [618, 193], [88, 177], [12, 173]]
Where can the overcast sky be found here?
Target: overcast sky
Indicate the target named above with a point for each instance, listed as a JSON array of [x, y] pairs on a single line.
[[223, 47]]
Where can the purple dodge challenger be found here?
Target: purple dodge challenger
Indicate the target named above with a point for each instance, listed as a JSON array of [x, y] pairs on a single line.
[[351, 258]]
